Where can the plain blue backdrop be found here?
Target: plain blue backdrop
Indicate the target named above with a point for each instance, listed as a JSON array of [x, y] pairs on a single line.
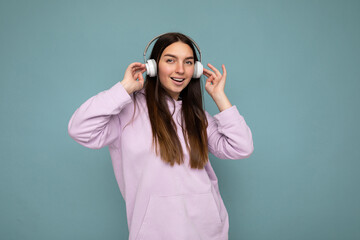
[[293, 72]]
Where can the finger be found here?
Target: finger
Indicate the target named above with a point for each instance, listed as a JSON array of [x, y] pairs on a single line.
[[133, 65], [209, 82], [210, 79], [224, 70], [137, 77], [139, 69], [212, 73], [141, 80], [214, 69], [136, 65], [206, 74], [140, 77], [207, 70]]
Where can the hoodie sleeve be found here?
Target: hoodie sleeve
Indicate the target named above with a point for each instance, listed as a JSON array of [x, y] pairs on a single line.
[[229, 137], [96, 123]]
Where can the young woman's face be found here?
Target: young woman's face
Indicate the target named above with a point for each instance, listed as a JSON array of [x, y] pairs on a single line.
[[176, 67]]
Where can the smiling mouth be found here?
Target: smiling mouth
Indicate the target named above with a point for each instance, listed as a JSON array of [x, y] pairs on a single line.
[[178, 79]]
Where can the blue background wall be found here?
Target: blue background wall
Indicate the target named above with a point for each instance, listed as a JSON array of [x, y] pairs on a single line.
[[293, 73]]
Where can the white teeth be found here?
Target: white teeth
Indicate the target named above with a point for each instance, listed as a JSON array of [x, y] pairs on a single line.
[[178, 79]]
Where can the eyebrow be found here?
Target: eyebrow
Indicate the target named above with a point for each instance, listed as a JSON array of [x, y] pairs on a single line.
[[170, 55]]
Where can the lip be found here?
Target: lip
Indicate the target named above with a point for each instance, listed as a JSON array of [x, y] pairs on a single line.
[[178, 78], [178, 83]]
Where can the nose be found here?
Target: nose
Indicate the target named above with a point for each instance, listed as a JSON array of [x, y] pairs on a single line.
[[179, 68]]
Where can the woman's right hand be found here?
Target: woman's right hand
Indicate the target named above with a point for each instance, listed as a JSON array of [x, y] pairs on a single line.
[[133, 78]]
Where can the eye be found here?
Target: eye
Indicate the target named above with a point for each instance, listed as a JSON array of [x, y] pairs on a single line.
[[189, 62], [169, 60]]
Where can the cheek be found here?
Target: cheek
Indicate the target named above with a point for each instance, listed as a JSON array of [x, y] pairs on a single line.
[[164, 69], [163, 73], [187, 82], [191, 70]]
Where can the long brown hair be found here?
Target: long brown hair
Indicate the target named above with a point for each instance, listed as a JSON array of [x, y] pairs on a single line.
[[193, 118]]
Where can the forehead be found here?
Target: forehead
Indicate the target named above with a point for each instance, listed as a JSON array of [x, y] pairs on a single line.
[[178, 49]]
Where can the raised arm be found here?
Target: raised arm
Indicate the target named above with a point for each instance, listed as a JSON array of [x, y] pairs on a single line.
[[229, 137], [95, 123]]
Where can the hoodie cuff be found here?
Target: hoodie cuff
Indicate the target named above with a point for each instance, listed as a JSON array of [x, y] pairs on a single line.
[[228, 116], [119, 95]]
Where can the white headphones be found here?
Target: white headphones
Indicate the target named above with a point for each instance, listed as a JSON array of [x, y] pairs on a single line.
[[151, 68]]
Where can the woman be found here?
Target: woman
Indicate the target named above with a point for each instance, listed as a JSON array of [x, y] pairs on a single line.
[[159, 137]]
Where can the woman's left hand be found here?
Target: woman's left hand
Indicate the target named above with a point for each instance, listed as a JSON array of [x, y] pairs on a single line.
[[215, 82]]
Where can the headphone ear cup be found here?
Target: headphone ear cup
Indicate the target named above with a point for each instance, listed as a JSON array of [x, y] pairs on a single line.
[[198, 70], [151, 68]]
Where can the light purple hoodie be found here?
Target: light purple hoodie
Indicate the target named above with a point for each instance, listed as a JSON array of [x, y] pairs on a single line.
[[162, 202]]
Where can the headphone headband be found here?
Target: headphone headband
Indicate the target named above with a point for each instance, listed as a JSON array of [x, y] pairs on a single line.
[[147, 46]]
